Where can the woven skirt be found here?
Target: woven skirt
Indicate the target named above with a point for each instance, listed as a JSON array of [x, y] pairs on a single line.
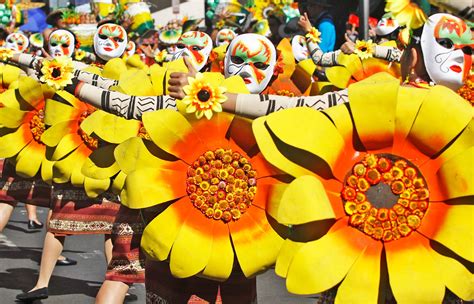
[[128, 262], [73, 212], [15, 189]]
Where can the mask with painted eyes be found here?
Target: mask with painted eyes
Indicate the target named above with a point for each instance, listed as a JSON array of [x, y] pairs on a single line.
[[196, 45], [17, 42], [131, 47], [225, 36], [110, 41], [447, 44], [61, 43], [386, 25], [252, 57], [300, 48]]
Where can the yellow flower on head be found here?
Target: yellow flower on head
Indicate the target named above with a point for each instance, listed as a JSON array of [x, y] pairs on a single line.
[[80, 54], [364, 49], [57, 73], [220, 24], [5, 54], [202, 97], [161, 56], [314, 35]]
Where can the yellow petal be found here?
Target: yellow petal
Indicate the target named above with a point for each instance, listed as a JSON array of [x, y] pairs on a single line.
[[149, 187], [30, 90], [373, 103], [160, 234], [29, 159], [285, 256], [47, 171], [441, 104], [94, 187], [327, 147], [92, 121], [304, 200], [114, 68], [8, 99], [414, 276], [157, 74], [220, 264], [213, 78], [256, 244], [12, 143], [192, 248], [67, 144], [11, 117], [272, 152], [135, 82], [63, 168], [114, 129], [235, 84], [341, 118], [56, 112], [101, 163], [361, 285], [463, 142], [338, 76], [353, 64], [303, 74], [322, 264], [53, 135], [118, 182], [456, 175], [451, 225], [10, 74], [456, 277]]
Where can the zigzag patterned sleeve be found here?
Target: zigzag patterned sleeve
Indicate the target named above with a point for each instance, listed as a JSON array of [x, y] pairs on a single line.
[[388, 53], [319, 57], [128, 106], [260, 105], [94, 79]]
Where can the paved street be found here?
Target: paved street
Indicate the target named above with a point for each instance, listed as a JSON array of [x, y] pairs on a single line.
[[20, 253]]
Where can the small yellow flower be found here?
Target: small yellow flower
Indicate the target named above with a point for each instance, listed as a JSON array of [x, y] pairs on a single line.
[[314, 35], [161, 56], [58, 72], [220, 24], [5, 54], [203, 98], [364, 49], [80, 54]]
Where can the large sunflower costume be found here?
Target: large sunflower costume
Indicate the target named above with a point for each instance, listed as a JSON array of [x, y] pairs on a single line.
[[395, 183]]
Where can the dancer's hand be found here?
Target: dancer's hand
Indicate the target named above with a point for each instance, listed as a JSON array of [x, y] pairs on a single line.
[[179, 79], [304, 23], [349, 46]]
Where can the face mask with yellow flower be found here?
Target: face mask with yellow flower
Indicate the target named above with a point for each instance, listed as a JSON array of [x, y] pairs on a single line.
[[379, 181]]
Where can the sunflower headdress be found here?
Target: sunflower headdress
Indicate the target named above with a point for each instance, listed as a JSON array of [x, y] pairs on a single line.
[[394, 184]]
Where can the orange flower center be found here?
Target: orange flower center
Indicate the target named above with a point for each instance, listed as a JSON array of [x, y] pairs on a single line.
[[90, 141], [385, 196], [37, 126], [221, 184]]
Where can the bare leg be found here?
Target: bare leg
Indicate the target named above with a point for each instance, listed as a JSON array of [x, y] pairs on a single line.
[[53, 245], [108, 248], [112, 292], [31, 211], [6, 211]]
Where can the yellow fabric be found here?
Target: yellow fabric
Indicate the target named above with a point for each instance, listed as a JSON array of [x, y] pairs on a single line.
[[373, 103], [114, 68], [11, 117], [361, 285], [156, 241], [28, 161], [312, 124], [338, 76], [101, 163], [320, 257], [271, 152], [414, 277], [456, 277], [12, 143], [285, 256], [457, 175], [304, 200], [427, 133]]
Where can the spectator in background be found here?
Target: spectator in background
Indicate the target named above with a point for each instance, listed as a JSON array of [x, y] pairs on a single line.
[[321, 18]]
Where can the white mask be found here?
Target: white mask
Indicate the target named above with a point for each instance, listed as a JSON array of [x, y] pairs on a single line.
[[110, 41], [225, 36], [252, 57], [36, 40], [61, 43], [196, 45], [386, 25], [17, 42], [131, 47], [446, 43], [300, 48]]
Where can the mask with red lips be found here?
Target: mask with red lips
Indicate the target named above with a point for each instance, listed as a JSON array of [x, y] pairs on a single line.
[[17, 42], [110, 41], [196, 45], [447, 44], [252, 57], [300, 48], [61, 43]]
